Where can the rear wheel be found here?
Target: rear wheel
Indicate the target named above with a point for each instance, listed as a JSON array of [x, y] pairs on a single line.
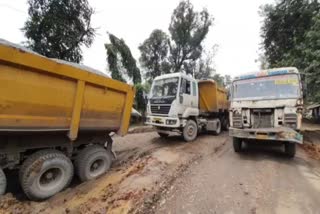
[[290, 149], [237, 144], [190, 131], [3, 182], [92, 162], [163, 135], [225, 124], [45, 173]]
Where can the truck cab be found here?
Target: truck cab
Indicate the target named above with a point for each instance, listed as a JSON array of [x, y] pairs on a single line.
[[267, 106], [174, 106]]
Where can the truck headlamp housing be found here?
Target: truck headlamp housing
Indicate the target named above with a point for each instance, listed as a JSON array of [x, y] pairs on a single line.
[[171, 122]]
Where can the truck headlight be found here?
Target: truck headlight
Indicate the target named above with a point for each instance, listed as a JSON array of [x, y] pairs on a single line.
[[171, 122]]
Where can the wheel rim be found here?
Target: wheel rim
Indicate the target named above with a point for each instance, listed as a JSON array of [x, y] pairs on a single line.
[[50, 178], [97, 167], [191, 131]]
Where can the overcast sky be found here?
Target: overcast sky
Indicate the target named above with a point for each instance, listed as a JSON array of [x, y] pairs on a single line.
[[236, 28]]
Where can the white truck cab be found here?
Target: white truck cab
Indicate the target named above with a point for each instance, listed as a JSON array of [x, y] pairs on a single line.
[[267, 106], [173, 106]]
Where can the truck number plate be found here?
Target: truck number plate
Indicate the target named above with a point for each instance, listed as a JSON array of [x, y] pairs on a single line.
[[262, 136], [157, 120]]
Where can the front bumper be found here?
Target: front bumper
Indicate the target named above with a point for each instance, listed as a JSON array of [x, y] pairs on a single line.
[[158, 121], [275, 134]]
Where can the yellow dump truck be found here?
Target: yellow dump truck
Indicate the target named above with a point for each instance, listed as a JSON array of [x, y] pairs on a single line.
[[178, 103], [56, 116]]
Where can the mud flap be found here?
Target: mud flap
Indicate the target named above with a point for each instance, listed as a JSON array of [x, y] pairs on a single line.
[[109, 147]]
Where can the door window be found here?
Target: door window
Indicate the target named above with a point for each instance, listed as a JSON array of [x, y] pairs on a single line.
[[185, 87], [194, 89]]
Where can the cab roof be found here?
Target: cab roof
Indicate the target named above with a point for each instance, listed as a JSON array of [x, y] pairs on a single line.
[[171, 75], [268, 72]]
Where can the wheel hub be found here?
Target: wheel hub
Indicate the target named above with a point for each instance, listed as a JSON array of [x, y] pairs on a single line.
[[96, 165], [190, 131], [50, 177]]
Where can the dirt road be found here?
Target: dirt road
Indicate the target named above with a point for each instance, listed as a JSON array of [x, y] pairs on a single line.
[[261, 180], [154, 175]]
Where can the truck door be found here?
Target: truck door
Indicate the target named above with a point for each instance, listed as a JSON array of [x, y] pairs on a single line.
[[195, 95], [185, 93]]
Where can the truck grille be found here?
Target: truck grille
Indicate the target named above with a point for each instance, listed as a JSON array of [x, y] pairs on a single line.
[[291, 120], [160, 109], [262, 120], [237, 120]]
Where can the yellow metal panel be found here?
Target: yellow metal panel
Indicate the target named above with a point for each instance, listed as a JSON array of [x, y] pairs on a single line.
[[43, 64], [75, 121], [39, 93], [31, 99], [212, 97], [102, 104], [127, 112]]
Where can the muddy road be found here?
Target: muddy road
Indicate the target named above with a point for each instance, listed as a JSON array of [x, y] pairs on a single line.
[[154, 175]]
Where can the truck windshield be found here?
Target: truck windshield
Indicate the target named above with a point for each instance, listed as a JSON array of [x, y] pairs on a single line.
[[165, 87], [272, 87]]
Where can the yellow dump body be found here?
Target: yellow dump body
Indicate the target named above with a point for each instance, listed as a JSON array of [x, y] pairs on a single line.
[[213, 99], [42, 94]]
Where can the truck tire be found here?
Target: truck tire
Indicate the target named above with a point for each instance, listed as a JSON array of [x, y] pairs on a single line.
[[92, 162], [3, 182], [190, 131], [45, 173], [290, 149], [237, 144], [225, 124], [219, 127], [163, 135]]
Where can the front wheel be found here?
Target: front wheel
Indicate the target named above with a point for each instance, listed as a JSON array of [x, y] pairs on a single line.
[[190, 131], [225, 124], [237, 144], [290, 149]]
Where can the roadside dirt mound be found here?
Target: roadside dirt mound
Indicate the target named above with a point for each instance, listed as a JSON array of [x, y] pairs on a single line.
[[141, 129], [312, 143]]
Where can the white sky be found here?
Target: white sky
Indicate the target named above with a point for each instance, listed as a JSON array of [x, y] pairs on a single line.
[[236, 28]]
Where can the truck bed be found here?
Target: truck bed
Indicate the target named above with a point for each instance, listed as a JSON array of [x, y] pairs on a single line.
[[42, 94]]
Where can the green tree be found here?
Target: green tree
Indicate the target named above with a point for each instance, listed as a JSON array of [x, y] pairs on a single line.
[[311, 49], [227, 81], [154, 54], [188, 29], [204, 68], [58, 28], [112, 58], [284, 28], [121, 61], [289, 31]]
